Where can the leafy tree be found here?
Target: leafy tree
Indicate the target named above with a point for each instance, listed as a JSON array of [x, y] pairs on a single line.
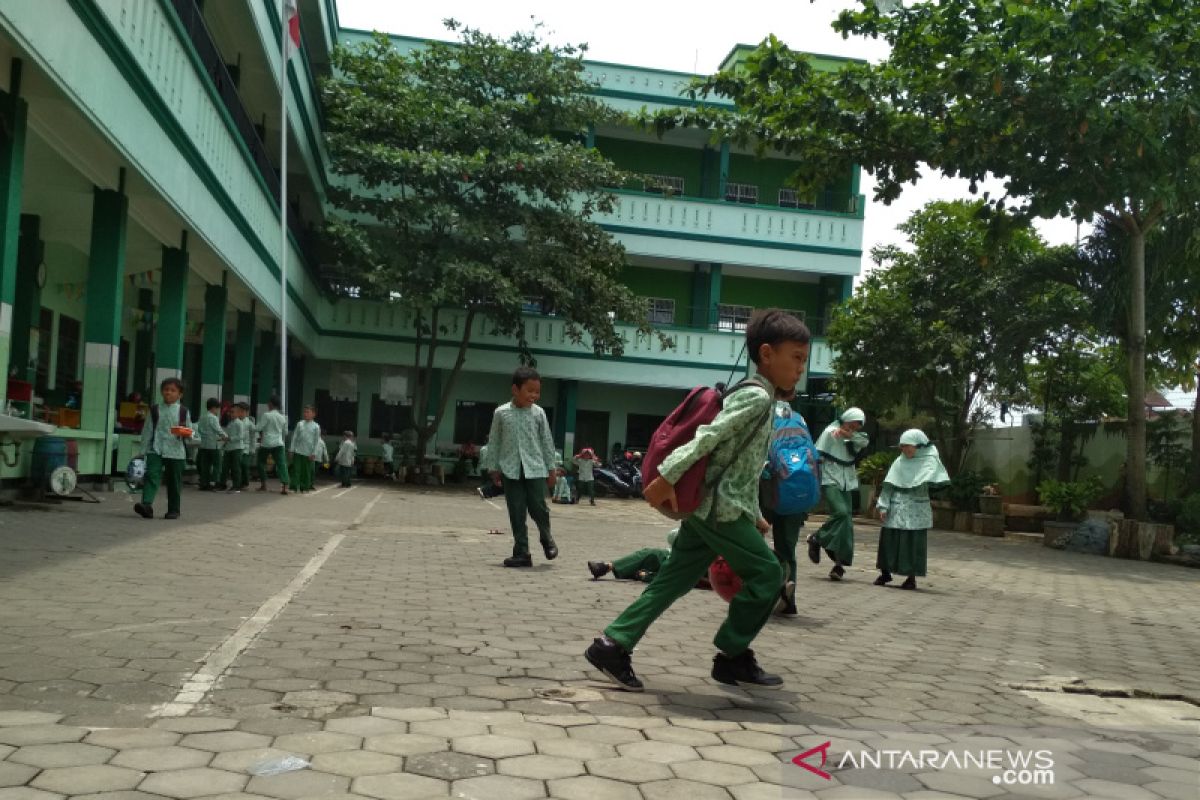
[[466, 190], [942, 330], [1082, 107]]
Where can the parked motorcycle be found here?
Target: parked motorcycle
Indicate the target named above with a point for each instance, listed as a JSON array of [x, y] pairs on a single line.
[[610, 484]]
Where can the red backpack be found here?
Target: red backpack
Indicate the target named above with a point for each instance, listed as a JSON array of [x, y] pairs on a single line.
[[700, 407]]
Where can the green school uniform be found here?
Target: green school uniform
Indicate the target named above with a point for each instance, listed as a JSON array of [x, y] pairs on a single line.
[[165, 454], [521, 449], [839, 481], [272, 428], [736, 442], [208, 459], [904, 499], [237, 434], [304, 446]]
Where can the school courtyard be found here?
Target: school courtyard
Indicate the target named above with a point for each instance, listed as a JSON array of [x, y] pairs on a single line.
[[374, 634]]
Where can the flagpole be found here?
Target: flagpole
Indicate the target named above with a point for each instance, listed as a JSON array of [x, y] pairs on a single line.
[[284, 35]]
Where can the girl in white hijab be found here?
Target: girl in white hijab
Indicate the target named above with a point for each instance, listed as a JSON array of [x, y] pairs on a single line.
[[841, 445], [904, 508]]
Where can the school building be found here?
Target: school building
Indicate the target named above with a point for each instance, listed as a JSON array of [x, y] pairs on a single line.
[[140, 238]]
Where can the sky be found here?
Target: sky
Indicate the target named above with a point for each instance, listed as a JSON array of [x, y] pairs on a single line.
[[691, 37]]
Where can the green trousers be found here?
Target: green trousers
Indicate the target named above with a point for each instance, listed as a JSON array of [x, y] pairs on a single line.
[[903, 552], [233, 469], [527, 496], [280, 457], [167, 472], [590, 488], [836, 536], [245, 459], [649, 559], [785, 534], [345, 474], [208, 467], [699, 542], [301, 472]]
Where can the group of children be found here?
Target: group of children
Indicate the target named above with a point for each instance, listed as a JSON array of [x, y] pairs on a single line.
[[585, 462], [225, 451]]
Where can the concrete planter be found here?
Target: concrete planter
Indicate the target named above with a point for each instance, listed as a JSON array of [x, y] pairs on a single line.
[[988, 525], [943, 515], [1142, 541], [992, 504], [963, 522], [1055, 534]]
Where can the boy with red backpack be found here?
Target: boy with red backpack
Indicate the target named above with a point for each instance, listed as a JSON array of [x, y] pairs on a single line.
[[726, 522]]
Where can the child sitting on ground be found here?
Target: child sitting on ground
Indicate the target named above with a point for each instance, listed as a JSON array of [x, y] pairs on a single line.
[[562, 488], [905, 510]]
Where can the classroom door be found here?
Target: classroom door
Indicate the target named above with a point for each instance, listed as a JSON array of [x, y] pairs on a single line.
[[591, 430]]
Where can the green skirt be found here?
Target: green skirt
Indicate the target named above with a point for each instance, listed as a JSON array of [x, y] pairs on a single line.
[[902, 552]]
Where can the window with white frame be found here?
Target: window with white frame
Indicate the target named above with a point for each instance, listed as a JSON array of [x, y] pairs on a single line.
[[660, 310], [733, 318], [741, 192], [790, 198], [666, 184]]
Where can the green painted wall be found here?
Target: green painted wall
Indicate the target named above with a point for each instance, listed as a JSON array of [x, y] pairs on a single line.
[[759, 293], [770, 175], [659, 159], [648, 282]]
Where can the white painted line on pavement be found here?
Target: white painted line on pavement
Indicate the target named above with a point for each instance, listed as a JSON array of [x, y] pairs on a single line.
[[362, 515], [493, 505], [344, 491], [318, 491], [220, 658]]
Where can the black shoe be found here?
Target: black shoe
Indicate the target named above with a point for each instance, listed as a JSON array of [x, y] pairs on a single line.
[[836, 573], [814, 550], [593, 502], [171, 515], [519, 561], [550, 549], [742, 669], [145, 510], [785, 599], [598, 569], [610, 658], [909, 583], [789, 610], [883, 579]]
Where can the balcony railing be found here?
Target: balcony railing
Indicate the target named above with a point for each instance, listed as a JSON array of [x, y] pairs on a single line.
[[192, 20]]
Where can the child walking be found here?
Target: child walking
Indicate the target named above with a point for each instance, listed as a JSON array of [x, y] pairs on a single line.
[[304, 450], [840, 445], [208, 460], [727, 523], [389, 457], [586, 462], [237, 437], [521, 457], [904, 508], [272, 429], [345, 458], [163, 437]]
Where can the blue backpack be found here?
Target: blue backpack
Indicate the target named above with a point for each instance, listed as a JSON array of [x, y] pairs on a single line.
[[790, 482]]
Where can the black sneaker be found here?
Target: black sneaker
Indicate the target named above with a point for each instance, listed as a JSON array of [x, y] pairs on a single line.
[[909, 583], [550, 549], [171, 515], [814, 550], [883, 579], [144, 510], [598, 569], [610, 658], [837, 572], [785, 599], [743, 669], [519, 561]]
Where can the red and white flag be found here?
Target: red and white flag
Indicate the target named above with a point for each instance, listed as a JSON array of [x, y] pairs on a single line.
[[291, 25]]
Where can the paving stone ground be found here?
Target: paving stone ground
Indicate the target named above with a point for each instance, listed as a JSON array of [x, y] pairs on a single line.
[[374, 634]]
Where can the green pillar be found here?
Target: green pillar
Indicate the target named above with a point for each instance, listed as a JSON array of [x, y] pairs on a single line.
[[243, 358], [143, 344], [268, 357], [714, 293], [102, 325], [723, 172], [172, 316], [212, 370], [28, 306], [13, 112]]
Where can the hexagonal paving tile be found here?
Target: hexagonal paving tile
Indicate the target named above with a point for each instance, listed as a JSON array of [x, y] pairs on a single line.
[[492, 746], [608, 734], [683, 790], [17, 717], [224, 741], [48, 756], [87, 780], [24, 735], [162, 759], [631, 769], [241, 761], [356, 763], [449, 766], [713, 772], [542, 767], [315, 743], [406, 744], [15, 774], [399, 786], [662, 752], [731, 754], [188, 783], [498, 787], [195, 724], [590, 787], [295, 785], [366, 726], [27, 793], [125, 738]]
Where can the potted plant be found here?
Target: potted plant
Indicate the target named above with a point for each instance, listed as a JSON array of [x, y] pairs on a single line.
[[871, 472], [991, 501], [1068, 501], [963, 492]]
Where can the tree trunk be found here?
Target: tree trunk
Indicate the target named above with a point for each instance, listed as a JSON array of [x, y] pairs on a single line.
[[459, 361], [1194, 477], [1066, 447], [1135, 461], [424, 429]]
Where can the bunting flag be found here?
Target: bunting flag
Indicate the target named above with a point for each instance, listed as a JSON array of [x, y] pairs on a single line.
[[142, 280]]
